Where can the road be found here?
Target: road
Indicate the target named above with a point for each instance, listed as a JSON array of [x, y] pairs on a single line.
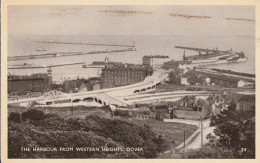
[[196, 143], [172, 96], [106, 95]]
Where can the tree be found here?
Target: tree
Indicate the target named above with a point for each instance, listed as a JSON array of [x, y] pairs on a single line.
[[33, 115], [15, 117], [236, 131]]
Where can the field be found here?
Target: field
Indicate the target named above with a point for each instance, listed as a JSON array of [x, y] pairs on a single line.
[[165, 87], [193, 115], [172, 132]]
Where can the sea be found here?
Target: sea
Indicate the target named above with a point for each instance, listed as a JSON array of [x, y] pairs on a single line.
[[20, 45]]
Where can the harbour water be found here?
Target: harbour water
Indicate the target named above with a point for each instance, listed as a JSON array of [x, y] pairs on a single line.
[[146, 45]]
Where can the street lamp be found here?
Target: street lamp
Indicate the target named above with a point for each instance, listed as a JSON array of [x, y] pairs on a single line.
[[184, 139], [201, 128]]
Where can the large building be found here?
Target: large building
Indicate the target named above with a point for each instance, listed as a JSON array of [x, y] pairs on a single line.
[[19, 85], [155, 61], [114, 75]]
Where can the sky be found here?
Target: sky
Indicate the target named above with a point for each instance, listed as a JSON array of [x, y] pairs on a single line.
[[142, 20]]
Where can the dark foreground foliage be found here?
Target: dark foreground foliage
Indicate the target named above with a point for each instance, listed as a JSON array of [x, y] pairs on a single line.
[[36, 129], [235, 136], [207, 152], [15, 117], [236, 131]]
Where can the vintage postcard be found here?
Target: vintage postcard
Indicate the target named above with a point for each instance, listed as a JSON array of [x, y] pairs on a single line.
[[106, 81]]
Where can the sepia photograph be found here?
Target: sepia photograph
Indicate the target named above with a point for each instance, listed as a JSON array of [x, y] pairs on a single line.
[[131, 81]]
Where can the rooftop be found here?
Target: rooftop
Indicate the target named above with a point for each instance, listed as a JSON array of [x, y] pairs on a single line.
[[123, 66], [215, 76], [156, 56], [26, 77]]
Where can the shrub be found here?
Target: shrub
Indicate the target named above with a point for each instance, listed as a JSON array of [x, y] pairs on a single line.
[[236, 131], [146, 112], [33, 115], [15, 117], [123, 113], [208, 153]]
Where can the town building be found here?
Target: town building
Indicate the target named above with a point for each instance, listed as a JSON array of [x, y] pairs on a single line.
[[123, 74], [192, 103], [96, 87], [224, 81], [155, 61], [199, 77], [22, 85], [184, 81], [175, 76], [245, 84]]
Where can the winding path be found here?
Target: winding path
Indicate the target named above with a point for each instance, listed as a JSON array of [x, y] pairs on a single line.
[[194, 141]]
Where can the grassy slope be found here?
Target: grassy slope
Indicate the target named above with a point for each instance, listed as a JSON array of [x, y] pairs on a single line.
[[173, 132]]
